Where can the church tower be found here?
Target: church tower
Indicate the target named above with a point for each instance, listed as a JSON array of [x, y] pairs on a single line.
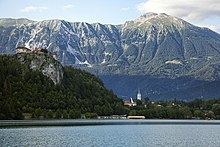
[[139, 94]]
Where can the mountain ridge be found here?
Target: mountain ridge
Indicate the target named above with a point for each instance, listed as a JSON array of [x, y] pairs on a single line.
[[157, 45]]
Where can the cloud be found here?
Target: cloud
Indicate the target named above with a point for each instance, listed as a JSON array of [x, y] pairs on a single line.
[[69, 6], [215, 28], [212, 27], [125, 9], [33, 9], [190, 10]]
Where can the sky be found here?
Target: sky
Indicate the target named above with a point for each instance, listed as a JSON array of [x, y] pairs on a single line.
[[204, 13]]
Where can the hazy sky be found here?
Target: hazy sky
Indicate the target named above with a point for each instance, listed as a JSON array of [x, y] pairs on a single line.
[[199, 12]]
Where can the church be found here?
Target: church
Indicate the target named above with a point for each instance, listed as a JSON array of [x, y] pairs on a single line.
[[139, 94], [132, 102]]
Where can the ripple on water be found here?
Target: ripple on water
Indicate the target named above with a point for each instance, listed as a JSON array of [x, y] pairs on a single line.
[[113, 135]]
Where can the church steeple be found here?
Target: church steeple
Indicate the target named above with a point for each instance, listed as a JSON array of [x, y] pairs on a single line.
[[139, 94]]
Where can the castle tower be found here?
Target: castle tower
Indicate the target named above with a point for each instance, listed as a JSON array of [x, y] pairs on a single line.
[[139, 94]]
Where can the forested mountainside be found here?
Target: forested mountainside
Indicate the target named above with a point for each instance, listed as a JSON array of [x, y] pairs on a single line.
[[26, 90]]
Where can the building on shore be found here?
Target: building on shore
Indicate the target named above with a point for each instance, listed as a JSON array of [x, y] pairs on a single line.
[[133, 102], [136, 117], [130, 103], [112, 117]]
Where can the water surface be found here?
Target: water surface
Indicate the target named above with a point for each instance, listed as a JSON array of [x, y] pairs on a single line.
[[132, 135]]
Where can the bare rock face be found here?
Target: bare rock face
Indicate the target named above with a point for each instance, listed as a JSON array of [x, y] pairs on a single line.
[[45, 63]]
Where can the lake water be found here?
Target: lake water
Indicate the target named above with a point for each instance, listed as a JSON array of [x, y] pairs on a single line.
[[138, 133]]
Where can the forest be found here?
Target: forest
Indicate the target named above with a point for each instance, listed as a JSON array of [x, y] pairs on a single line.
[[24, 91]]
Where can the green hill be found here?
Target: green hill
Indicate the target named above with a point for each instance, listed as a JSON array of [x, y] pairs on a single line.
[[23, 90]]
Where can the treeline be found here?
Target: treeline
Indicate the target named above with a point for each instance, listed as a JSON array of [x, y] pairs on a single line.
[[195, 109], [25, 91]]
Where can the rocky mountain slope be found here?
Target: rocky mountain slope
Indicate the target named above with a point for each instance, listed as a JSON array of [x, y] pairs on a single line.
[[153, 45], [44, 63]]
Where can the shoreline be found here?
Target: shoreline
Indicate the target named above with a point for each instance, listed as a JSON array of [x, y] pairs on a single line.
[[95, 122]]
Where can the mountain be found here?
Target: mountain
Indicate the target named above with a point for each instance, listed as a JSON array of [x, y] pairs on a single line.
[[165, 56], [27, 88]]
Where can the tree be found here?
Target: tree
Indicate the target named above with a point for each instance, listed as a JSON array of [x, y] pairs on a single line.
[[216, 110], [74, 114], [107, 110], [197, 103], [58, 114], [139, 102], [91, 115], [199, 114], [146, 100], [210, 115], [119, 109], [65, 114], [37, 113], [173, 113], [98, 110], [185, 113], [50, 114], [132, 113]]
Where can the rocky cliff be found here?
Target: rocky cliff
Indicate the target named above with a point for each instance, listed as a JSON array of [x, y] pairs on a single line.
[[44, 63]]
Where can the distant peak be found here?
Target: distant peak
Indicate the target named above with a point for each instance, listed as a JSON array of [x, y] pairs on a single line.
[[164, 14], [150, 15], [145, 17], [159, 18]]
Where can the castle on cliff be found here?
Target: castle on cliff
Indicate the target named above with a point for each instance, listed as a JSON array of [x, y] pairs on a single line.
[[27, 50]]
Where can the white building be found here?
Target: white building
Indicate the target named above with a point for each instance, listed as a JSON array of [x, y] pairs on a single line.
[[139, 94], [132, 102], [22, 50]]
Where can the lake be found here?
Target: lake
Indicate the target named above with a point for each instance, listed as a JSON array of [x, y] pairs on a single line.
[[112, 133]]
